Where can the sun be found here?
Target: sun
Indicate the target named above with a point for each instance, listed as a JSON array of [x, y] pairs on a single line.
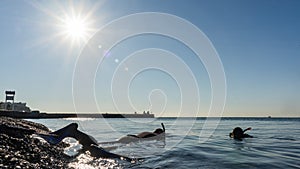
[[68, 24], [75, 28]]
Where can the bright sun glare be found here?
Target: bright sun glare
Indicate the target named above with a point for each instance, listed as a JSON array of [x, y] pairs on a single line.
[[72, 23], [76, 28]]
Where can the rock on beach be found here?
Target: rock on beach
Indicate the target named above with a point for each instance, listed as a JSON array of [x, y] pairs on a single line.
[[19, 148]]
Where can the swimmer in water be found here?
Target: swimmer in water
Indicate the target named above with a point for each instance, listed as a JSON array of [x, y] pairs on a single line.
[[158, 134], [239, 133], [88, 142]]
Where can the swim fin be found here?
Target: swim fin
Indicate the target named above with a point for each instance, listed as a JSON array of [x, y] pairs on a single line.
[[50, 138]]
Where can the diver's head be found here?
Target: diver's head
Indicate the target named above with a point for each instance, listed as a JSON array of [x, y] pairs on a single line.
[[158, 131], [237, 133]]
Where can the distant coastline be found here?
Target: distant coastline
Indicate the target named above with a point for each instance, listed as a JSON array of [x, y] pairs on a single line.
[[20, 110], [37, 115]]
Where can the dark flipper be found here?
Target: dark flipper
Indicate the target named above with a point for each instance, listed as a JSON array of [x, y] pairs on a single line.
[[58, 135], [50, 138], [66, 131]]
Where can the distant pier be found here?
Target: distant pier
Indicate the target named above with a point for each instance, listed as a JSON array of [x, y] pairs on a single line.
[[32, 115], [13, 109]]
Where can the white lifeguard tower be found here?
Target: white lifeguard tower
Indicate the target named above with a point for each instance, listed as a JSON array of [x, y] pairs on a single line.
[[10, 96], [10, 104]]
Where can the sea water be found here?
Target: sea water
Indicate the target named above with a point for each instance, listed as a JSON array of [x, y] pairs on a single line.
[[190, 143]]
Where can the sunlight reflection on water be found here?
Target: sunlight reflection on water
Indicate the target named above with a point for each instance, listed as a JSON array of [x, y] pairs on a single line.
[[86, 161]]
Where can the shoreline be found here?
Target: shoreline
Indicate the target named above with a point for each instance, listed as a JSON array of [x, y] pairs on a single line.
[[20, 149]]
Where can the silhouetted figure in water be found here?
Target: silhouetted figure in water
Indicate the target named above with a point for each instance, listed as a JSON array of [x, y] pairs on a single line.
[[238, 133], [88, 142], [158, 134]]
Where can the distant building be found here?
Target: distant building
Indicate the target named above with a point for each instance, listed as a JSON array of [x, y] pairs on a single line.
[[10, 104]]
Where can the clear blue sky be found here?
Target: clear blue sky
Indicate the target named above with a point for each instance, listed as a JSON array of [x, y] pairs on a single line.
[[258, 43]]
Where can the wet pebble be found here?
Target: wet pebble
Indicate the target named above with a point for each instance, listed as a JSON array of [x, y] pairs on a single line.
[[18, 149]]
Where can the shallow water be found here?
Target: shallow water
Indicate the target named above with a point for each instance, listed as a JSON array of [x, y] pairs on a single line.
[[276, 143]]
